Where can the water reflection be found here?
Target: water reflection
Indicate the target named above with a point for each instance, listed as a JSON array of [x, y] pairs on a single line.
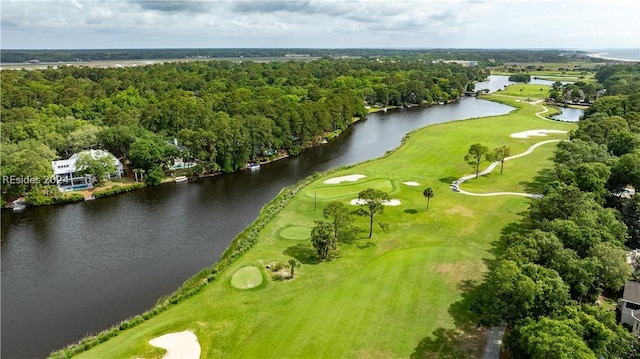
[[569, 114]]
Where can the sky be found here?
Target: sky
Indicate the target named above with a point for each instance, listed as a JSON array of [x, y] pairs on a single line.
[[102, 24]]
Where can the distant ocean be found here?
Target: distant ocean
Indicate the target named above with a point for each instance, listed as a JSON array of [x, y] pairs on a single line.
[[616, 54]]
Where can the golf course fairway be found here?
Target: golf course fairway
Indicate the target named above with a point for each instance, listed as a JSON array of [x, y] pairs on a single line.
[[390, 296]]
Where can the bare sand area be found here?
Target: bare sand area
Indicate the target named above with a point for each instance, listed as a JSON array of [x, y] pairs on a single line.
[[349, 178], [530, 133], [181, 345]]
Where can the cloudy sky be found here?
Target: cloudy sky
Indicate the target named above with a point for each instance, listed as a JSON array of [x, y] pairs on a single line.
[[77, 24]]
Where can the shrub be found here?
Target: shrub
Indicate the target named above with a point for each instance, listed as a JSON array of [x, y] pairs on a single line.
[[69, 198], [117, 189], [37, 198], [154, 177]]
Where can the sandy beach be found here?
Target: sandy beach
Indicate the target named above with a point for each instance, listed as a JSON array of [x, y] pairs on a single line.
[[603, 56]]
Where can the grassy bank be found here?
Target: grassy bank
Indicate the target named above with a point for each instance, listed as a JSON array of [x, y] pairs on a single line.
[[388, 296]]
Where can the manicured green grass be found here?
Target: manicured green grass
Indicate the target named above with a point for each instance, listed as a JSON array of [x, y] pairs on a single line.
[[348, 189], [383, 297], [247, 277], [519, 175], [527, 90], [295, 232]]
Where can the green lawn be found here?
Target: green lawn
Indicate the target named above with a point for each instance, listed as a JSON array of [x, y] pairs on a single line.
[[527, 91], [519, 175], [384, 297], [557, 75]]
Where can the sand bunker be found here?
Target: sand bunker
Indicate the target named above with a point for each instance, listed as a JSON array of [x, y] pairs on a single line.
[[527, 134], [411, 183], [349, 178], [182, 345], [392, 202]]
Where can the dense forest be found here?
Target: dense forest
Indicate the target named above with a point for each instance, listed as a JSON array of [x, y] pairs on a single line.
[[481, 55], [568, 251], [223, 113]]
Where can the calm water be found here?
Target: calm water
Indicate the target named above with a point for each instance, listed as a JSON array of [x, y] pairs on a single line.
[[498, 82], [618, 54], [569, 114], [75, 269]]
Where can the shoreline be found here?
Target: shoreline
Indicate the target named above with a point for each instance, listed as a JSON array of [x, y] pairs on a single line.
[[601, 56], [200, 280], [282, 154]]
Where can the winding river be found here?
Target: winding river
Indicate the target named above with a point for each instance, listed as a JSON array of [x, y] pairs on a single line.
[[71, 270]]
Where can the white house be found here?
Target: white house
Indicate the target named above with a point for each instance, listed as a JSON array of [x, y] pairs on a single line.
[[630, 306], [65, 172]]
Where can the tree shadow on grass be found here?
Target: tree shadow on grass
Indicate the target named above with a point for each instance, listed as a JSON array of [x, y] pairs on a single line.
[[536, 185], [451, 344], [367, 244], [500, 245], [466, 340], [447, 180], [411, 211], [302, 252], [280, 278]]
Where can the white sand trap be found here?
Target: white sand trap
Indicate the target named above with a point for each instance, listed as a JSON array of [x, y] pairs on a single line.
[[392, 202], [410, 183], [527, 134], [349, 178], [182, 345]]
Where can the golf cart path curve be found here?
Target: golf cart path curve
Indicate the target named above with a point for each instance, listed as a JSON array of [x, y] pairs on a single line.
[[496, 163]]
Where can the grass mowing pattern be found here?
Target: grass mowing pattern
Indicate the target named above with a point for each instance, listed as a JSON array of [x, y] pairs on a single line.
[[246, 278], [389, 296]]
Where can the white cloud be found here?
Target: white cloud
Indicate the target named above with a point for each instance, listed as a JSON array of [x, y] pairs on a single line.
[[319, 23]]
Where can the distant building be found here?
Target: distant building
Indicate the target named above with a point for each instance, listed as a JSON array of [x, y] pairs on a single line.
[[464, 63]]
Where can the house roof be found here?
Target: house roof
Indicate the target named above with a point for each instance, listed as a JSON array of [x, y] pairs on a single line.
[[631, 292], [69, 165]]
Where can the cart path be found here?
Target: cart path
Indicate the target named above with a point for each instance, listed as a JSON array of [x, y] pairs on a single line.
[[493, 165], [494, 342]]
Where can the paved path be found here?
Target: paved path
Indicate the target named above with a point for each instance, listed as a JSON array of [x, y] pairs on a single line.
[[494, 341], [493, 165], [544, 110], [533, 103]]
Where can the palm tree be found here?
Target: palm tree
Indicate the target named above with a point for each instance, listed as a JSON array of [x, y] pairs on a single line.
[[428, 193], [294, 263]]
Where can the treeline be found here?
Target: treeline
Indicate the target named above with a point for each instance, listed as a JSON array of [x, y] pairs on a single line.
[[482, 55], [571, 245], [620, 79], [579, 91], [223, 113]]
